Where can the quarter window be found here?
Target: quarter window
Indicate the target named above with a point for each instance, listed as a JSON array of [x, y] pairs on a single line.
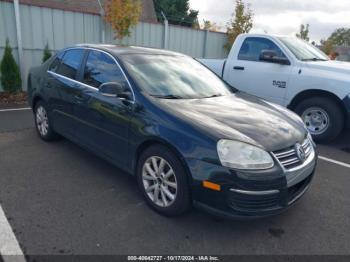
[[252, 47], [70, 63], [101, 68]]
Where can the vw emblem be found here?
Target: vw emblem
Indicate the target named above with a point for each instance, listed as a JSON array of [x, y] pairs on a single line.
[[300, 152]]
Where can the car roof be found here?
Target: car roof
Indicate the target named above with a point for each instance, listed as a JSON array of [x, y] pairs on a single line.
[[123, 50]]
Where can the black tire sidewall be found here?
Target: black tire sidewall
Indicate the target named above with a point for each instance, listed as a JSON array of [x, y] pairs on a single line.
[[182, 202], [335, 114]]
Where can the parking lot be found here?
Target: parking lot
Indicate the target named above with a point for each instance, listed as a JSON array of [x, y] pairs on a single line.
[[60, 199]]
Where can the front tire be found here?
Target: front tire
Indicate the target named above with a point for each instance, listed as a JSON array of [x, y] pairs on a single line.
[[163, 181], [43, 122], [323, 118]]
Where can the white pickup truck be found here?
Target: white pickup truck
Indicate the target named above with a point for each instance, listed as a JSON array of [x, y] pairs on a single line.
[[293, 73]]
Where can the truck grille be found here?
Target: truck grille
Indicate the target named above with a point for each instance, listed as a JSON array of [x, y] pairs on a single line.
[[288, 157]]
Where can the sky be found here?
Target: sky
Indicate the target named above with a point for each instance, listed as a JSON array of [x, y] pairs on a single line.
[[282, 17]]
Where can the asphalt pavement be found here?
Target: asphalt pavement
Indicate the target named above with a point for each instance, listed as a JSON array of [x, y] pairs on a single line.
[[61, 199]]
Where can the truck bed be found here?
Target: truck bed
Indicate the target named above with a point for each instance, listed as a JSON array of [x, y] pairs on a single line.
[[216, 65]]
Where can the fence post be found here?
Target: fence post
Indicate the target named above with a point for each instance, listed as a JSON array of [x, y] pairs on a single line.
[[205, 44], [166, 32], [102, 26], [19, 42]]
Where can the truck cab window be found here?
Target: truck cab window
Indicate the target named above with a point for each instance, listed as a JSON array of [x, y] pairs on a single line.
[[252, 47]]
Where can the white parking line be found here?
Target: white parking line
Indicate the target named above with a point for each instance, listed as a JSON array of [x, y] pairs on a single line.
[[9, 247], [334, 161], [15, 109]]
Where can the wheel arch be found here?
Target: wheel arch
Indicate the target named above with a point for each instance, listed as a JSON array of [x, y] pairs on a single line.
[[315, 93], [35, 100], [157, 141]]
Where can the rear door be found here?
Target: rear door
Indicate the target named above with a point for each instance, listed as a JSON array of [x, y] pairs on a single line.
[[263, 79], [62, 78], [103, 121]]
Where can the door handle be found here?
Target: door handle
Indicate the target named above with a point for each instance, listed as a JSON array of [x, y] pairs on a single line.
[[79, 98], [238, 68]]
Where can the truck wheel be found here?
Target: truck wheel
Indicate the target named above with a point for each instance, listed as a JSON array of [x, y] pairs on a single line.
[[322, 116]]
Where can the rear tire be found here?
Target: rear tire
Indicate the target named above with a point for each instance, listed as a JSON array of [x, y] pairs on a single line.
[[43, 123], [163, 181], [322, 116]]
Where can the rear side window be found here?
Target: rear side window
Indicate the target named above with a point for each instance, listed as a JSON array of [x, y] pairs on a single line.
[[56, 62], [252, 47], [70, 63], [101, 68]]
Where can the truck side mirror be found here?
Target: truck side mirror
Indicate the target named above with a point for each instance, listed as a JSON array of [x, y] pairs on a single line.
[[272, 57]]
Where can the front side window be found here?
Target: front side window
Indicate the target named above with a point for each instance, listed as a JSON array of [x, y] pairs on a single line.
[[70, 63], [252, 47], [100, 68]]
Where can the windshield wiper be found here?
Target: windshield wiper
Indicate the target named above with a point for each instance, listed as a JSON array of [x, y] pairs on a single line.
[[215, 95], [168, 96], [313, 59]]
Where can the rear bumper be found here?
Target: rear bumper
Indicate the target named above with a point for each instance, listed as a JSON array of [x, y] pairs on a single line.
[[250, 195]]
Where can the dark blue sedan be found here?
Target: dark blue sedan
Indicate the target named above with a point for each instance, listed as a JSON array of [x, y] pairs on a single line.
[[188, 137]]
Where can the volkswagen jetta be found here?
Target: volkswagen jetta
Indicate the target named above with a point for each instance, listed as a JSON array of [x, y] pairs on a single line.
[[187, 136]]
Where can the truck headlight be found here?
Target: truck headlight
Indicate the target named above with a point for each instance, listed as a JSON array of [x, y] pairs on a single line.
[[238, 155]]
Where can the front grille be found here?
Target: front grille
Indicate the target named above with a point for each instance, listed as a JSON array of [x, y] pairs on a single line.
[[294, 191], [254, 203], [288, 157]]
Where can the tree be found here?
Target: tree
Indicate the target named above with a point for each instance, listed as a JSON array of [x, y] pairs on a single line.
[[47, 53], [208, 25], [304, 32], [122, 15], [10, 75], [327, 46], [177, 12], [340, 37], [241, 22]]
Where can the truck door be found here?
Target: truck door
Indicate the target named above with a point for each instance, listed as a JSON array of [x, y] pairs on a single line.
[[264, 79]]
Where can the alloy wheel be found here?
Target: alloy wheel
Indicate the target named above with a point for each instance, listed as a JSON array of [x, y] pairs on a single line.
[[159, 181], [42, 121]]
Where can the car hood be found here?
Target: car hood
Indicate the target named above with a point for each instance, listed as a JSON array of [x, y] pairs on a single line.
[[331, 66], [240, 117]]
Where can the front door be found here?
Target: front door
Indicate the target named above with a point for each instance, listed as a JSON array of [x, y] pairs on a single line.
[[103, 121], [263, 79]]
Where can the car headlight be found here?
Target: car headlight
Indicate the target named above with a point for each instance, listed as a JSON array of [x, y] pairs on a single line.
[[240, 155]]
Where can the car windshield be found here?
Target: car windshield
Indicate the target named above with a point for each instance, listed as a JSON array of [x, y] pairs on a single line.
[[303, 50], [173, 77]]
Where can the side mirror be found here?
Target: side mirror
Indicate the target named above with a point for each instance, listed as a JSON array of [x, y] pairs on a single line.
[[114, 89], [272, 57]]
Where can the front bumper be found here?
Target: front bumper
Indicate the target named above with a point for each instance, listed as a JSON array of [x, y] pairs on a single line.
[[253, 194]]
